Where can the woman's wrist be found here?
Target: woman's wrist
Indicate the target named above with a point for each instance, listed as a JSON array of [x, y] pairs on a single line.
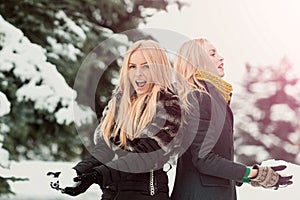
[[249, 174], [253, 173]]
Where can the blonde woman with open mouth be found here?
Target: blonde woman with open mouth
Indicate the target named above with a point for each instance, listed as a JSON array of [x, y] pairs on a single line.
[[137, 127]]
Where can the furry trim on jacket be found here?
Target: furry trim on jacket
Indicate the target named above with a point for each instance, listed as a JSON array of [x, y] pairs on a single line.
[[162, 129]]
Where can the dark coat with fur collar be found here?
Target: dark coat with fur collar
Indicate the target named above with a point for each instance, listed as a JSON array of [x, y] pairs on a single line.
[[206, 170], [148, 152]]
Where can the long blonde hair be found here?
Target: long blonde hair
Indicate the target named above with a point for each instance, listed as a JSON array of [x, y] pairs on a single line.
[[190, 59], [133, 113]]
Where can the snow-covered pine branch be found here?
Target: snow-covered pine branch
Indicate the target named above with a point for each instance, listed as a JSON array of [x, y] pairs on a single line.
[[42, 83]]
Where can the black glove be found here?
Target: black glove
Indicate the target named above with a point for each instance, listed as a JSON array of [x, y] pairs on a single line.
[[268, 177], [84, 182]]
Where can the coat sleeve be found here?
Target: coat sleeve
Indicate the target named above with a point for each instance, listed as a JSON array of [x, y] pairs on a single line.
[[154, 147], [100, 154], [210, 120]]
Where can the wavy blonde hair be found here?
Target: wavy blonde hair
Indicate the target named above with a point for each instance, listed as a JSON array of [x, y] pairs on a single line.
[[129, 120]]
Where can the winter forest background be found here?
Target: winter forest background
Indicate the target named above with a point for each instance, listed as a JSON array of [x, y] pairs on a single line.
[[42, 45]]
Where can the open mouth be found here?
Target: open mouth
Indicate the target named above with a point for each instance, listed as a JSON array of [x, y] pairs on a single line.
[[140, 83], [221, 66]]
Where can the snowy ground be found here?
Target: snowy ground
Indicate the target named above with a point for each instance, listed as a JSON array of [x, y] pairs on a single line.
[[38, 188]]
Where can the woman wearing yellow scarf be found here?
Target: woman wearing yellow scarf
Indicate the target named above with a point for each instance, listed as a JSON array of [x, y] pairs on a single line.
[[206, 170]]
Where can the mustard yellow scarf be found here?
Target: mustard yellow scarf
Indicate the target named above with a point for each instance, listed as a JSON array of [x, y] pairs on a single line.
[[222, 86]]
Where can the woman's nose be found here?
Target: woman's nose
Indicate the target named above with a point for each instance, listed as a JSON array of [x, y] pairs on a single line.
[[221, 58], [139, 70]]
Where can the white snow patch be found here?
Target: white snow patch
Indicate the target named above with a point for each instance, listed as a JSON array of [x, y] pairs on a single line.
[[38, 186]]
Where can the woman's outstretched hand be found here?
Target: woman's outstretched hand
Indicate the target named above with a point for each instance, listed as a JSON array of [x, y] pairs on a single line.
[[268, 177], [84, 182]]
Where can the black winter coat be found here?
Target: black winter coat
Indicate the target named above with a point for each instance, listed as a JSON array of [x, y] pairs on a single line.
[[206, 171], [139, 166]]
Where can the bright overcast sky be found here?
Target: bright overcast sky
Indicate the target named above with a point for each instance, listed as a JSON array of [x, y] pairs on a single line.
[[259, 32]]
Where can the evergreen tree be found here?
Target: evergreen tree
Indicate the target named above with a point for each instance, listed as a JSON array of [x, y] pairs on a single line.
[[67, 30], [268, 111], [4, 155], [59, 34]]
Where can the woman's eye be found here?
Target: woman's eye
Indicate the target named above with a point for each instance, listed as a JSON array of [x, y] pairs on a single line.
[[213, 54], [131, 66], [146, 66]]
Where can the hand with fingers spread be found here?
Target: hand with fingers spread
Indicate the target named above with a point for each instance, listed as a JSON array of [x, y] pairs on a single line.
[[84, 182], [268, 177]]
